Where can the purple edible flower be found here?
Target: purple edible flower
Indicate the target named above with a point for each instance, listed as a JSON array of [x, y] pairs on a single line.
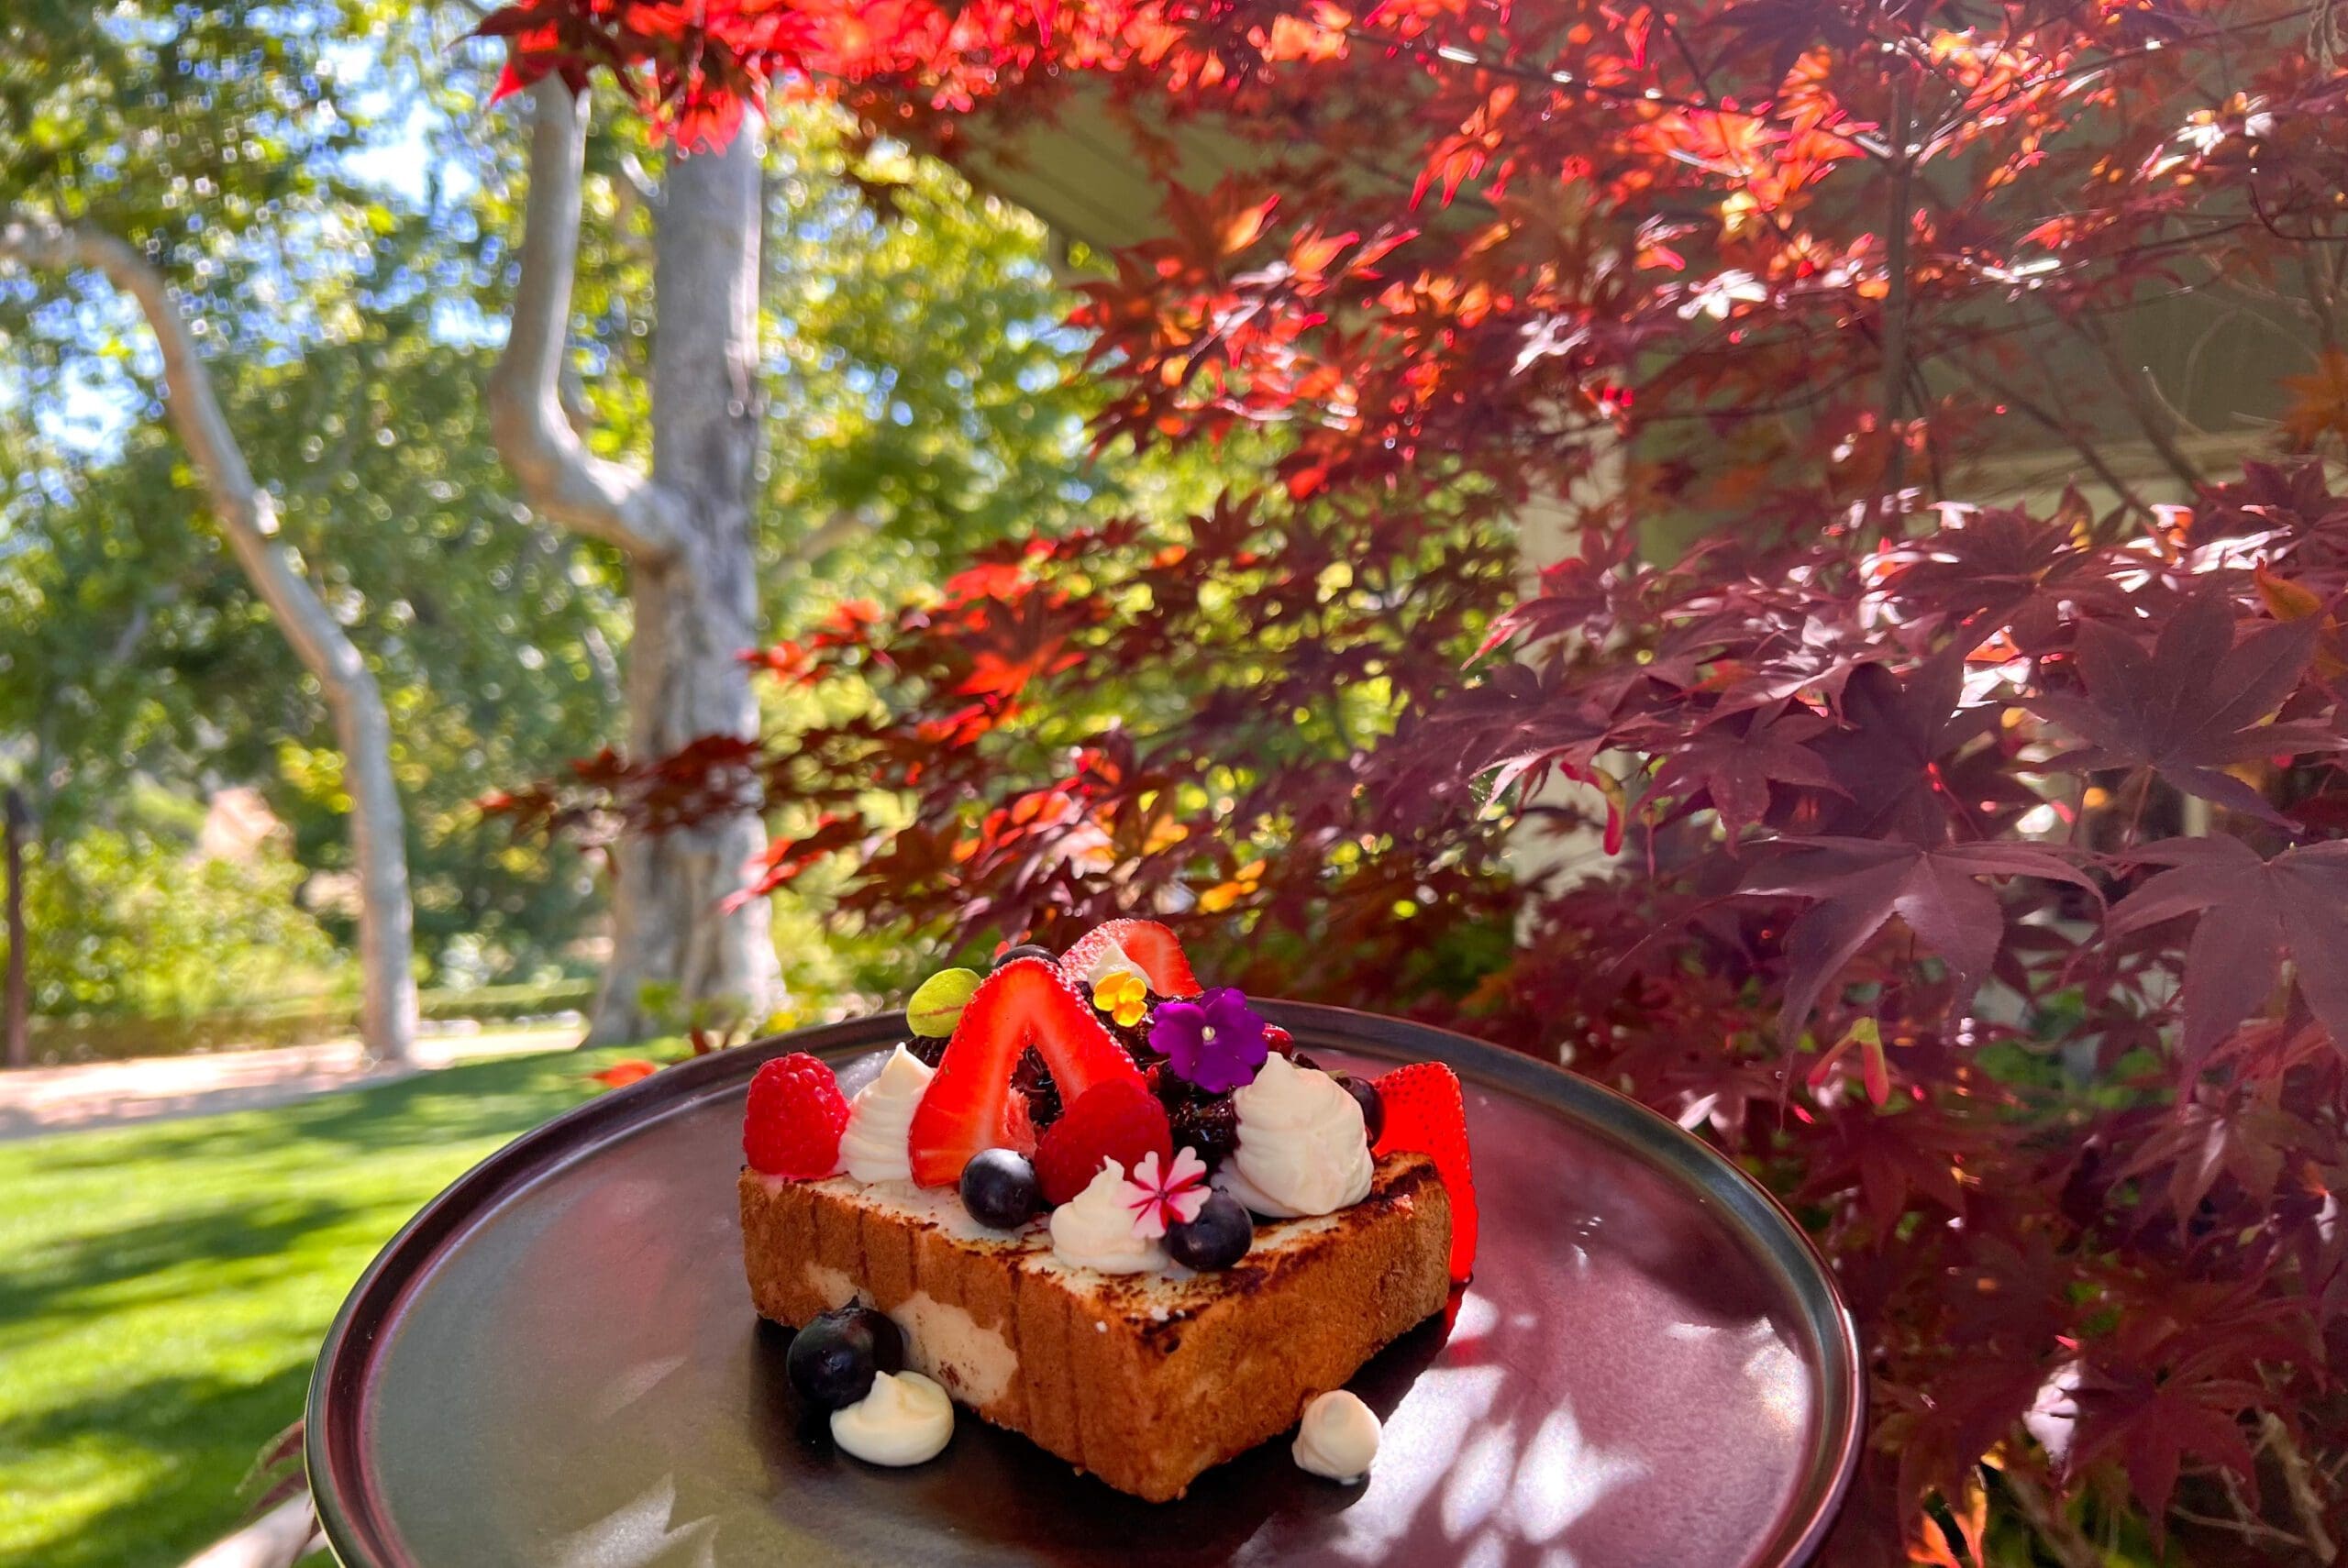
[[1216, 1042]]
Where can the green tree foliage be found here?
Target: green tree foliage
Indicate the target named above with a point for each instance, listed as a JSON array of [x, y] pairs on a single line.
[[926, 396], [336, 214], [187, 127], [137, 650], [132, 921]]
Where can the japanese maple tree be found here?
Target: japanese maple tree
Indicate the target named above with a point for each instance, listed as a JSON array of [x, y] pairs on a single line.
[[1984, 883]]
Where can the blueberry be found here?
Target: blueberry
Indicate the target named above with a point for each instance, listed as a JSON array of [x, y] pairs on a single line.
[[1000, 1189], [833, 1360], [1218, 1238], [1373, 1106], [1024, 949], [1209, 1127]]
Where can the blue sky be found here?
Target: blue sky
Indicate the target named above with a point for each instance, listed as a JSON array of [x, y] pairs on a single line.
[[94, 404]]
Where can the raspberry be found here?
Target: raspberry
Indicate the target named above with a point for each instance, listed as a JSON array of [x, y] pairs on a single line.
[[1119, 1120], [1426, 1114], [795, 1118]]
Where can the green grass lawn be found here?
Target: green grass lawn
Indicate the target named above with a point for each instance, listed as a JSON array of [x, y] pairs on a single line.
[[163, 1289]]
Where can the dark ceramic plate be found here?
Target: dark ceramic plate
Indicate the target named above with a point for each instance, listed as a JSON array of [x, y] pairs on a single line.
[[556, 1365]]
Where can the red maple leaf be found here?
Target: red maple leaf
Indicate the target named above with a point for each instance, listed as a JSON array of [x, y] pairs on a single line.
[[1011, 644], [630, 1070], [2193, 704], [1891, 1160], [1856, 885], [1895, 755], [2318, 402], [2005, 570], [1730, 763], [2251, 913], [2212, 1134], [2173, 1381]]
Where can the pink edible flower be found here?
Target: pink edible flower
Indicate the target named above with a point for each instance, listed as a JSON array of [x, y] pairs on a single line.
[[1158, 1203]]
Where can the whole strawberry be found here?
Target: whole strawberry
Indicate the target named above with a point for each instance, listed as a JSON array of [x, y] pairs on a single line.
[[1426, 1114], [795, 1118]]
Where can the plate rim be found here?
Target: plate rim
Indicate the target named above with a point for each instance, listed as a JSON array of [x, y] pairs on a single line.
[[351, 1521]]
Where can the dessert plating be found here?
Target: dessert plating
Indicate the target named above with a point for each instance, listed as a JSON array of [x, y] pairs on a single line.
[[1104, 1206]]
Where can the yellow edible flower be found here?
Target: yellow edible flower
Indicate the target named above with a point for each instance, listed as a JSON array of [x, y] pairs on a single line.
[[1124, 995]]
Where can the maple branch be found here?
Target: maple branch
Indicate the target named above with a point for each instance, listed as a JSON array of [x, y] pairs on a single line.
[[633, 190], [279, 1539], [2248, 1527], [2298, 1478], [2322, 298], [2266, 221], [1894, 299], [842, 527], [2054, 1527], [1452, 54], [557, 473], [2078, 438], [2148, 416], [1687, 54], [2086, 69], [2136, 815]]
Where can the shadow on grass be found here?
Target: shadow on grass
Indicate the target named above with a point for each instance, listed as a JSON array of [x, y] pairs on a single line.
[[488, 1099], [174, 1434], [160, 1229], [87, 1273], [253, 1208]]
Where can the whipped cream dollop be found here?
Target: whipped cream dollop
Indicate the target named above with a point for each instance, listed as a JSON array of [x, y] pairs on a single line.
[[881, 1118], [1113, 959], [904, 1420], [1095, 1230], [1301, 1144], [1338, 1438]]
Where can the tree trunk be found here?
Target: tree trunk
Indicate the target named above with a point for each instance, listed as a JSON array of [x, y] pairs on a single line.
[[697, 610], [248, 517], [18, 1007], [679, 952]]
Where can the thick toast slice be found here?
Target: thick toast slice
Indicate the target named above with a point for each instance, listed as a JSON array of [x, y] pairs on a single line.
[[1145, 1380]]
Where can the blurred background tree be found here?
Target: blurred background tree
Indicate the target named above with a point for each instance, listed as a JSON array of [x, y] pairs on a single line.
[[334, 205]]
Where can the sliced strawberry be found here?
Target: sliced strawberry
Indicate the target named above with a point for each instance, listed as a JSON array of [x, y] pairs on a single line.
[[1426, 1114], [1018, 1125], [1148, 943], [968, 1105]]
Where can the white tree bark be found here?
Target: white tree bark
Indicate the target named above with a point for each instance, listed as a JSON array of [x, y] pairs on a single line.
[[686, 530], [279, 1539], [248, 516]]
